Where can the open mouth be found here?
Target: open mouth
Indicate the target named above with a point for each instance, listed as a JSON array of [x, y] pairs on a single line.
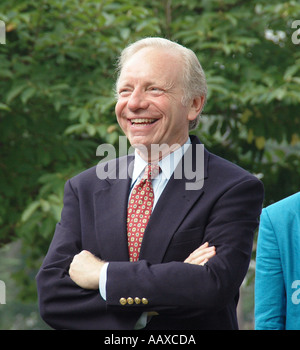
[[142, 122]]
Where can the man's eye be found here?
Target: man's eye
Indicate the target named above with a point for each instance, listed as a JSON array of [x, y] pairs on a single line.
[[155, 89], [124, 92]]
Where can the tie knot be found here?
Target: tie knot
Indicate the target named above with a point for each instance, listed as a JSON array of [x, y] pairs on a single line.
[[152, 170]]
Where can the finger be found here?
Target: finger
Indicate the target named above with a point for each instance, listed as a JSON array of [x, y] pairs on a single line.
[[207, 256], [204, 262], [198, 253], [202, 248], [84, 253], [197, 259], [204, 245]]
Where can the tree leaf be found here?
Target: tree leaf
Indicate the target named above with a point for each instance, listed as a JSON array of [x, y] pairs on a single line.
[[31, 208], [27, 94], [14, 92]]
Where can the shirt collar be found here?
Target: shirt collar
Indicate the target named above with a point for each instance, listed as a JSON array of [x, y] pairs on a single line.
[[167, 164]]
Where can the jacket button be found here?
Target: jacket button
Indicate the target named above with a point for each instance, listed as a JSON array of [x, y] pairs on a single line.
[[145, 301], [130, 301], [123, 301], [137, 300]]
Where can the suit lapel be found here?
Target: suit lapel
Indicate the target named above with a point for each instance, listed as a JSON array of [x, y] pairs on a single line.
[[110, 203], [170, 211]]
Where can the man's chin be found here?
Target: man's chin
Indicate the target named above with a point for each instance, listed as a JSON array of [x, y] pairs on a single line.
[[152, 152]]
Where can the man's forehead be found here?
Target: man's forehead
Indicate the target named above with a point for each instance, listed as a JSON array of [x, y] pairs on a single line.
[[160, 62]]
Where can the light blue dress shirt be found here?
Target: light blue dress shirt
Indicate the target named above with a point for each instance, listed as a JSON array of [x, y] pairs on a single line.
[[167, 165]]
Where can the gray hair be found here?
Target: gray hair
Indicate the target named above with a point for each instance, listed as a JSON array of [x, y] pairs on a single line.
[[194, 82]]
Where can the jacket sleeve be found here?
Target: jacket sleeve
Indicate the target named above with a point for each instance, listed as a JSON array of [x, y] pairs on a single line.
[[64, 305], [270, 298], [231, 224]]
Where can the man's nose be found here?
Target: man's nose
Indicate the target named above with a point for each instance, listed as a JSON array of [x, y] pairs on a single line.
[[137, 100]]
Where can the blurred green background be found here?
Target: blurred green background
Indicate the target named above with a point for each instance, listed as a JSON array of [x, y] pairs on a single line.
[[57, 73]]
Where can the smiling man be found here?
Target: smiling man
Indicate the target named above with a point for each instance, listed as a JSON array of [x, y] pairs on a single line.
[[142, 251], [149, 108]]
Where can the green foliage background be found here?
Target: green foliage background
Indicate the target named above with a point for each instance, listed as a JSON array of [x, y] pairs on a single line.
[[57, 73]]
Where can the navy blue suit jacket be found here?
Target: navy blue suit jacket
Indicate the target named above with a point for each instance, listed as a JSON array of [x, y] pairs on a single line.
[[224, 212]]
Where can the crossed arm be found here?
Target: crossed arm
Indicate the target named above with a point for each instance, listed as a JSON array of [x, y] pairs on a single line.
[[232, 218], [85, 267]]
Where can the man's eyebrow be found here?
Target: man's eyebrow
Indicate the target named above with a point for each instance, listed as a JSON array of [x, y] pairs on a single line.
[[167, 85]]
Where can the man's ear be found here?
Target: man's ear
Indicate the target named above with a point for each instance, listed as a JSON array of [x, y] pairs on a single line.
[[197, 105]]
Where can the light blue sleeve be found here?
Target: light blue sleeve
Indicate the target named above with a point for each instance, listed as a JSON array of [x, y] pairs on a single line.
[[102, 281], [270, 296]]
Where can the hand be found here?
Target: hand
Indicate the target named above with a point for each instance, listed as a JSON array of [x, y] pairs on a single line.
[[201, 255], [85, 270]]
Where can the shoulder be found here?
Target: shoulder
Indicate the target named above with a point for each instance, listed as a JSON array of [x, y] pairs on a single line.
[[222, 170], [285, 209], [233, 187], [218, 163], [228, 174], [289, 203], [281, 219]]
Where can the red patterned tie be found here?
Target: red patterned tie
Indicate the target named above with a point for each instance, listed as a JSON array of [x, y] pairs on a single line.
[[139, 210]]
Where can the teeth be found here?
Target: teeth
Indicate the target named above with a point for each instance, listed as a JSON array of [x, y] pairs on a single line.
[[142, 121]]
